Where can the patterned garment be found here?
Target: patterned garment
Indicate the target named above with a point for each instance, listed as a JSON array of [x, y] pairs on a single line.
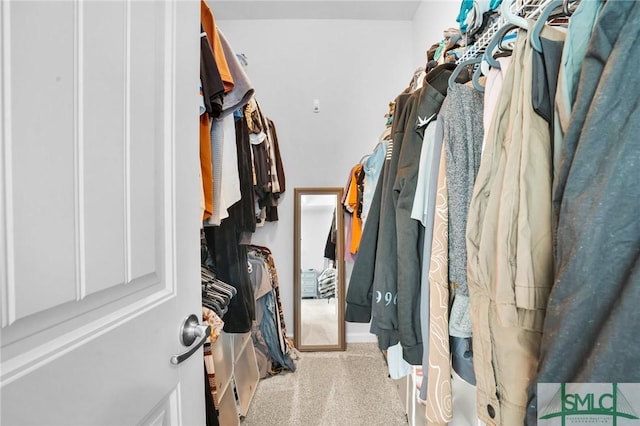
[[211, 374], [327, 283], [439, 402], [216, 324], [287, 348]]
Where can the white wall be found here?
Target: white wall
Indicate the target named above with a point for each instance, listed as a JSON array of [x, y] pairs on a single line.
[[354, 68]]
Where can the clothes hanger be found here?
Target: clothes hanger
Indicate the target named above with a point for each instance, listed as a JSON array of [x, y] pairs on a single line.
[[542, 20], [476, 80], [495, 43], [512, 18], [569, 6], [456, 72], [243, 59]]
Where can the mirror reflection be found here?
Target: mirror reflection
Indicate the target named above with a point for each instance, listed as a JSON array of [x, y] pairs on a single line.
[[319, 263]]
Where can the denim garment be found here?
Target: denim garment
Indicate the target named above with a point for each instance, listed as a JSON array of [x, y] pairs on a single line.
[[372, 169], [270, 331]]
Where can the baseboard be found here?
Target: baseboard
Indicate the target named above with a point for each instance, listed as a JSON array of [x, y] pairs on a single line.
[[364, 337], [361, 338]]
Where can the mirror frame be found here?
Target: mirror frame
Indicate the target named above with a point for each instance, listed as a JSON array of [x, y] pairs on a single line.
[[297, 279]]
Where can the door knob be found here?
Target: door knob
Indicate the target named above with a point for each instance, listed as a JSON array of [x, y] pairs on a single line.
[[191, 330]]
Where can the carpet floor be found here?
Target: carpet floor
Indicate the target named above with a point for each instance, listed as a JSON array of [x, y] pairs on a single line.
[[319, 322], [330, 388]]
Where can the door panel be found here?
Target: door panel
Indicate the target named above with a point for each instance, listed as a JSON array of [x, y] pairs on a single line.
[[144, 101], [99, 379], [165, 414], [40, 138], [104, 88], [99, 211]]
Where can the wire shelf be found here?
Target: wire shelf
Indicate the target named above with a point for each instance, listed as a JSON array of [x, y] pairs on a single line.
[[528, 9]]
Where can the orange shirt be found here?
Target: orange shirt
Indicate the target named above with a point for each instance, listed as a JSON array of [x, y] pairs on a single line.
[[206, 165], [209, 25], [354, 206]]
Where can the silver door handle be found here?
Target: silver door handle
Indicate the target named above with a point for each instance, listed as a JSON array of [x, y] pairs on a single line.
[[191, 330]]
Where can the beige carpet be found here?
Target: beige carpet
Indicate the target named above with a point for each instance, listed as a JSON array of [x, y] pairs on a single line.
[[330, 388], [319, 322]]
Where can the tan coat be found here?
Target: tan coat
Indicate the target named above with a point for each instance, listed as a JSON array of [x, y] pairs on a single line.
[[509, 246]]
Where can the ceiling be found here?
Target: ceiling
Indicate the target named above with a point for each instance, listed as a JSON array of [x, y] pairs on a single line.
[[396, 10]]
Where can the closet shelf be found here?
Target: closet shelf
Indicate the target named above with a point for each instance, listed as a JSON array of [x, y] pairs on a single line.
[[237, 375], [222, 351]]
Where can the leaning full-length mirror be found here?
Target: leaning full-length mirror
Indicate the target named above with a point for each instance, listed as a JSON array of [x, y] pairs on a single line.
[[319, 270]]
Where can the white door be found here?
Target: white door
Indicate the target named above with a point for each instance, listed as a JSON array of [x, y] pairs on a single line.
[[99, 206]]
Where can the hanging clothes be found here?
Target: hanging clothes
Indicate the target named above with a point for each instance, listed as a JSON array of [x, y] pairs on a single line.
[[237, 285], [242, 212], [509, 247], [425, 107], [423, 211], [230, 262], [332, 239], [226, 175], [587, 334], [353, 205], [463, 150], [575, 47], [211, 81], [270, 315], [372, 168], [436, 389], [243, 88], [360, 290], [384, 253], [268, 171], [206, 171], [277, 171], [545, 70], [212, 91], [208, 23], [327, 283], [493, 89], [395, 255]]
